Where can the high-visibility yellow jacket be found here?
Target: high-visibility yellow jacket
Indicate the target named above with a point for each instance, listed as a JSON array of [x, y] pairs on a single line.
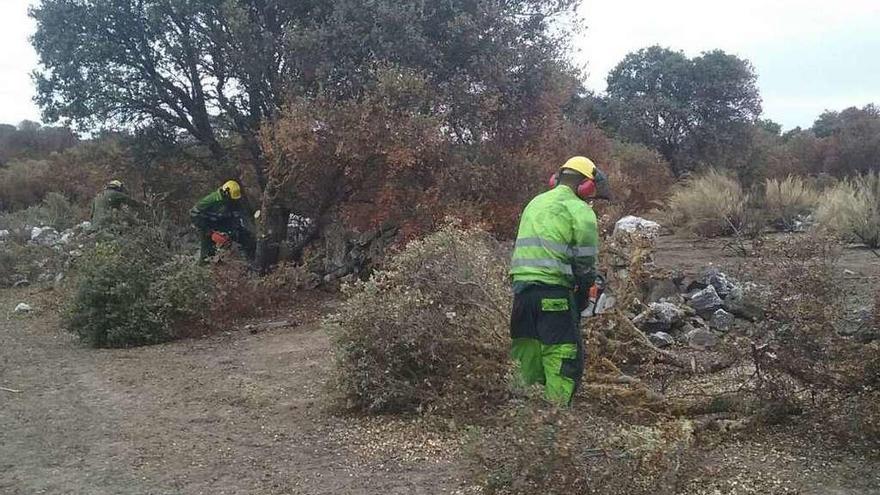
[[558, 241]]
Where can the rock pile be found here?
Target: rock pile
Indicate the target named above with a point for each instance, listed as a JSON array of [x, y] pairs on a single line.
[[696, 312]]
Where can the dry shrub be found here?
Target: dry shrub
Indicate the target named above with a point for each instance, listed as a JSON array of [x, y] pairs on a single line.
[[711, 204], [788, 199], [239, 293], [851, 210], [429, 331], [539, 449], [805, 302], [640, 178], [802, 363], [23, 183]]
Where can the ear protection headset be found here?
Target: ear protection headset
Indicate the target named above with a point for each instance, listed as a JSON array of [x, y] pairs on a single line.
[[585, 190]]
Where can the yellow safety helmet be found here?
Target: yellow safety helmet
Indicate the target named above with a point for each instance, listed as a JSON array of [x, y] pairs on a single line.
[[116, 184], [581, 165], [232, 189]]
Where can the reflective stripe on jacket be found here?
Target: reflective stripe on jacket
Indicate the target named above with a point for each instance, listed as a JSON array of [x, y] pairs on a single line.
[[558, 240]]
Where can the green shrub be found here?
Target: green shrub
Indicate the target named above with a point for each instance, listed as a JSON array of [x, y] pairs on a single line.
[[851, 210], [711, 204], [133, 290], [429, 331], [20, 262], [787, 200]]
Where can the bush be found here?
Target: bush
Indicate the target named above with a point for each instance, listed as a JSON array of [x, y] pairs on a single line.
[[53, 211], [537, 449], [134, 290], [23, 184], [851, 210], [711, 204], [787, 200], [240, 293], [429, 331]]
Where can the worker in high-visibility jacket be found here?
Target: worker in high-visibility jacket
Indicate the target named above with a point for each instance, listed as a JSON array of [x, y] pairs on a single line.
[[553, 268]]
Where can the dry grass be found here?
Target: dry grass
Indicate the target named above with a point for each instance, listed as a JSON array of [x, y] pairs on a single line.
[[709, 205], [851, 210], [787, 199]]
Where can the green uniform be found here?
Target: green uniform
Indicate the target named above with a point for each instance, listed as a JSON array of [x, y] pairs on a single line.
[[552, 268], [107, 206], [215, 212]]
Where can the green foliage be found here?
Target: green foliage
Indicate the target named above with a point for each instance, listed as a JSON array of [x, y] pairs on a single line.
[[20, 262], [710, 204], [428, 332], [132, 290], [690, 110], [851, 210]]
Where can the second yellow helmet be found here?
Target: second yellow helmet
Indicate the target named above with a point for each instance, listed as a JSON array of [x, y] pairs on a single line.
[[232, 188]]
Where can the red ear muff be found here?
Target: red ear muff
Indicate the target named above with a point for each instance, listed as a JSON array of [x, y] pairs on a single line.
[[587, 189]]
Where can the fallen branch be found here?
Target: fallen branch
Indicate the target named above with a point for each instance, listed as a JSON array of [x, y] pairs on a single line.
[[11, 390]]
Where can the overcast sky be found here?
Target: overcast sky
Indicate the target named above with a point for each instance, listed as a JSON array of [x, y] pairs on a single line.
[[810, 55]]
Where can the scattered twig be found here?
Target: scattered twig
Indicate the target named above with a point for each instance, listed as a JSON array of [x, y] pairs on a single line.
[[10, 390]]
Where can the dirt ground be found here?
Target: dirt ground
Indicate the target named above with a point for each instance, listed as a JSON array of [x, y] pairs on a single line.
[[237, 413], [243, 412]]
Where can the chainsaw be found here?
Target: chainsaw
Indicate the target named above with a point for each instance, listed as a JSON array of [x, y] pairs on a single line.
[[599, 298]]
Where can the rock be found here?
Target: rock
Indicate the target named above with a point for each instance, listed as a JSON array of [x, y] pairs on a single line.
[[705, 302], [637, 225], [4, 234], [66, 237], [701, 339], [23, 308], [659, 317], [722, 321], [745, 302], [847, 271], [866, 335], [723, 284], [663, 290], [661, 339], [44, 236]]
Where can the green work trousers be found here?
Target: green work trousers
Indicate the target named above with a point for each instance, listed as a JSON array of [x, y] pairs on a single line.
[[546, 340]]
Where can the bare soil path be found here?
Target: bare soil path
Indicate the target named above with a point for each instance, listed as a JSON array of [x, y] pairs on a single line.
[[236, 413]]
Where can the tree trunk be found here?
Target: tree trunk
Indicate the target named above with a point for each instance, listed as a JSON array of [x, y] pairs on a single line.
[[273, 231], [272, 226]]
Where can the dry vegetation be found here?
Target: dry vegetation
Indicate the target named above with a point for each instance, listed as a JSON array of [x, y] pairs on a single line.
[[428, 332], [851, 209], [711, 204]]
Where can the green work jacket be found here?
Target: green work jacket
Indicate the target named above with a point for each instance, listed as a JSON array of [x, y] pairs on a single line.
[[214, 208], [558, 241], [109, 201]]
